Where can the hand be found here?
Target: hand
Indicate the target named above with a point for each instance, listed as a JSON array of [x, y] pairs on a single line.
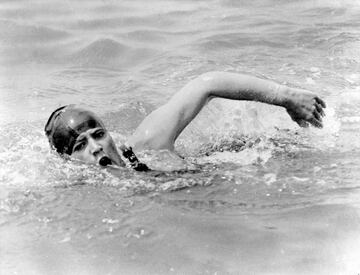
[[305, 107]]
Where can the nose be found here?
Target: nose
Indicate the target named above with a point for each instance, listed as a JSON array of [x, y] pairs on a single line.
[[95, 147]]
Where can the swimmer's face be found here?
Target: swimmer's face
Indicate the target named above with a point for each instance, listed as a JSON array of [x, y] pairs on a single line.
[[96, 146]]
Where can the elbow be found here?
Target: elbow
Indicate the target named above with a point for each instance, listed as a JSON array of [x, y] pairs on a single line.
[[217, 82], [207, 82]]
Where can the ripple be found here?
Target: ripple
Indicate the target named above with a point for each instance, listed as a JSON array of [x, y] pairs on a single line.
[[236, 40], [12, 32], [153, 21]]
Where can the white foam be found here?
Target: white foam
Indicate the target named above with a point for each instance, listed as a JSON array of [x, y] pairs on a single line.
[[330, 122]]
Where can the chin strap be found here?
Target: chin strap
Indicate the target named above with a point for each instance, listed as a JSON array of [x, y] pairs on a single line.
[[134, 162]]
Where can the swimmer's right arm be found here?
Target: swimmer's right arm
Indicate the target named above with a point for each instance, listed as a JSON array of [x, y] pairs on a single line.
[[161, 128], [303, 106]]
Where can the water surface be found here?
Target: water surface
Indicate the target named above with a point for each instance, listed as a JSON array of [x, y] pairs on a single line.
[[256, 195]]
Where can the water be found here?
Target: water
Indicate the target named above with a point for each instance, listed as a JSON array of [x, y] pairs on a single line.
[[286, 202]]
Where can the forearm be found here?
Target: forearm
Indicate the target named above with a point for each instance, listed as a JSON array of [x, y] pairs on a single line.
[[188, 102], [303, 106], [243, 87]]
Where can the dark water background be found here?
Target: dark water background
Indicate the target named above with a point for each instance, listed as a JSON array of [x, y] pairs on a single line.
[[286, 203]]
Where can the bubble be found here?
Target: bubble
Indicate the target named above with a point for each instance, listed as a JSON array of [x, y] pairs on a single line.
[[269, 178]]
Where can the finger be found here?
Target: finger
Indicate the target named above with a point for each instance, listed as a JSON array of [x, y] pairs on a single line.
[[317, 115], [316, 122], [319, 109], [320, 101]]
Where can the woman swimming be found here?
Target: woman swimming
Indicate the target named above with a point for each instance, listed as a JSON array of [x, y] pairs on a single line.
[[79, 133]]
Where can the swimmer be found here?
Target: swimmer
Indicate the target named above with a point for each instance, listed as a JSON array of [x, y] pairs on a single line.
[[81, 135]]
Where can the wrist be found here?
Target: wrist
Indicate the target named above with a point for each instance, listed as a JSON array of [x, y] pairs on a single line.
[[286, 97], [283, 96]]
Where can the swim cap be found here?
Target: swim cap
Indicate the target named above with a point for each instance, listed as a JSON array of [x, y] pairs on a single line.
[[66, 124]]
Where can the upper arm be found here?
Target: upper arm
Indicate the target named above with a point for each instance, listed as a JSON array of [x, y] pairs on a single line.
[[160, 128]]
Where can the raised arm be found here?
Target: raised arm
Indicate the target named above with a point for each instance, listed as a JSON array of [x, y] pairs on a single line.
[[160, 129]]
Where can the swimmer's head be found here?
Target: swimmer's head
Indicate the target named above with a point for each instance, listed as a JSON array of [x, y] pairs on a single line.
[[79, 133]]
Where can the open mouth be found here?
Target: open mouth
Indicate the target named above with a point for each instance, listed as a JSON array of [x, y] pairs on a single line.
[[105, 161]]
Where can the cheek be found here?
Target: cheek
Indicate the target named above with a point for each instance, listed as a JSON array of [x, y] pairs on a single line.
[[113, 146], [110, 145], [83, 156], [77, 155]]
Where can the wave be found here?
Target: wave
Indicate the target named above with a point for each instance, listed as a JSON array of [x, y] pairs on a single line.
[[109, 53], [147, 36], [238, 40], [13, 32], [153, 21], [293, 4], [30, 43]]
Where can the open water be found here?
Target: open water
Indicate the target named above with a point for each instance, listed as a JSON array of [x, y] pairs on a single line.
[[256, 195]]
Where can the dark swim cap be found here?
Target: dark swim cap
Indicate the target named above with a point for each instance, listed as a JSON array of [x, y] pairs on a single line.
[[66, 124]]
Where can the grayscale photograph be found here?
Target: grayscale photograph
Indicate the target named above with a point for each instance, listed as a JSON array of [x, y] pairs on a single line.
[[215, 137]]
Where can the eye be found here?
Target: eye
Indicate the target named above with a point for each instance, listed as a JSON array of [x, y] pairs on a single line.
[[79, 146], [99, 134]]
